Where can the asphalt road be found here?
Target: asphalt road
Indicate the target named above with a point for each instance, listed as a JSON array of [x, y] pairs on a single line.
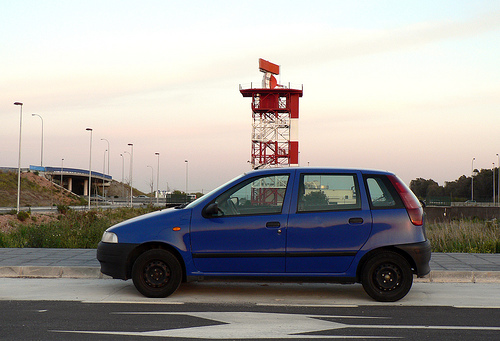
[[107, 309], [63, 320]]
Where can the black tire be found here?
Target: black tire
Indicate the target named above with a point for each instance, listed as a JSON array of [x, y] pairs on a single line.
[[156, 273], [387, 277]]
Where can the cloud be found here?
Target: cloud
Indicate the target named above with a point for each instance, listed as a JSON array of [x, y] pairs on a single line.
[[338, 44]]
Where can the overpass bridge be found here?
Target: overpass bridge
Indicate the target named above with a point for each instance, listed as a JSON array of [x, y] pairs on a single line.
[[74, 179]]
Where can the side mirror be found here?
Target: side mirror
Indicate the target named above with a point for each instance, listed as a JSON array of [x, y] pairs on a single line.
[[211, 210]]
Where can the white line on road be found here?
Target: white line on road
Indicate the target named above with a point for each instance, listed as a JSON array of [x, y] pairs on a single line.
[[258, 325]]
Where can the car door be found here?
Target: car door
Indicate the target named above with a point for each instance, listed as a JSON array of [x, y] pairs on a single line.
[[247, 234], [329, 222]]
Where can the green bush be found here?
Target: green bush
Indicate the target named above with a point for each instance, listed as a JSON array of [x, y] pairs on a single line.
[[22, 215], [63, 209], [75, 229]]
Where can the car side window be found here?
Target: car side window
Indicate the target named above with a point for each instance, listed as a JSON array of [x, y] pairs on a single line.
[[381, 192], [262, 195], [328, 192]]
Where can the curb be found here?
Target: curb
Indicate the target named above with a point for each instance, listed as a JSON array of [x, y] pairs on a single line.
[[51, 272], [437, 276], [440, 276]]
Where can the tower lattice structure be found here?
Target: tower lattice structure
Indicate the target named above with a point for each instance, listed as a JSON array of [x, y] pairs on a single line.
[[275, 114]]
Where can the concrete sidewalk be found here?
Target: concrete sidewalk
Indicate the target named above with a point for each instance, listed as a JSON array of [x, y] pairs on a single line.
[[82, 263]]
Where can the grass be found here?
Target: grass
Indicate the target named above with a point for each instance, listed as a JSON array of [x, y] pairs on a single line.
[[468, 236], [74, 229]]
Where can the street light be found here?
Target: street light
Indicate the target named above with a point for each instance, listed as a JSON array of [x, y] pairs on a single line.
[[109, 152], [498, 197], [90, 165], [62, 168], [472, 181], [19, 159], [493, 183], [121, 155], [104, 172], [187, 164], [41, 148], [131, 169], [125, 152], [157, 177], [152, 184]]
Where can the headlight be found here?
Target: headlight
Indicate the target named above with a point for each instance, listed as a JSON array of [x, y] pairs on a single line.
[[109, 237]]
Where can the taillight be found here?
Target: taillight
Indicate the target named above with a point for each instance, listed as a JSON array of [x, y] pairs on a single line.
[[413, 207]]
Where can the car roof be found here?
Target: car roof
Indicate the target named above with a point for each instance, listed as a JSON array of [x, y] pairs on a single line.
[[320, 170]]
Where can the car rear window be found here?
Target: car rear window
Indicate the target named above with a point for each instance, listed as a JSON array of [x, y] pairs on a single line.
[[382, 193]]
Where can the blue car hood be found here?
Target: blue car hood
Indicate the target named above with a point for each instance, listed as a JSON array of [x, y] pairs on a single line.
[[151, 226]]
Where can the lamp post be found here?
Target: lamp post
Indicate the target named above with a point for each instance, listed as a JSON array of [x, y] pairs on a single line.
[[62, 168], [152, 184], [19, 159], [128, 181], [187, 164], [493, 184], [90, 165], [121, 155], [41, 148], [104, 172], [472, 181], [498, 197], [131, 169], [157, 177], [109, 152]]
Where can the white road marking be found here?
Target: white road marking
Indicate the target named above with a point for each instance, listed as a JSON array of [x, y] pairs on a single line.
[[308, 305], [475, 307], [256, 325], [136, 302], [191, 314], [245, 325]]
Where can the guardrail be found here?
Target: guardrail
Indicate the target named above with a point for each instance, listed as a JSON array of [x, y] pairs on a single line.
[[259, 86], [67, 171]]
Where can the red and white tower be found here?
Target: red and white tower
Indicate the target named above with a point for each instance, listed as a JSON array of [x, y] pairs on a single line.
[[275, 115]]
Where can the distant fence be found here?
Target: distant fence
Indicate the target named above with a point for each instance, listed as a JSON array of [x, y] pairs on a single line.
[[441, 213]]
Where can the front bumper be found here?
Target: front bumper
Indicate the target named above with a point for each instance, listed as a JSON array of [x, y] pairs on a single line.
[[421, 255], [114, 259]]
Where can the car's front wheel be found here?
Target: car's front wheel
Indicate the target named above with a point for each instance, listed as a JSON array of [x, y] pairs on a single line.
[[157, 273], [387, 277]]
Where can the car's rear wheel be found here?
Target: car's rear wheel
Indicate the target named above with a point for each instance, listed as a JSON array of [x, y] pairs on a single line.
[[387, 277], [157, 273]]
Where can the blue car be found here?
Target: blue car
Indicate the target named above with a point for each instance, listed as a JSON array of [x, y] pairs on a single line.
[[314, 224]]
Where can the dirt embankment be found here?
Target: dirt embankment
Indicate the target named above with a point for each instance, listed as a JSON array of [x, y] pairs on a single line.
[[8, 222], [35, 191]]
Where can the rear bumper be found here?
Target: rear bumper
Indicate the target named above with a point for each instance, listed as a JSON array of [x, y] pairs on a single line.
[[421, 255], [114, 259]]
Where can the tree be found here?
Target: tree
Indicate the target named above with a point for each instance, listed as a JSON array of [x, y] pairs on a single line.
[[315, 198], [424, 188], [460, 189]]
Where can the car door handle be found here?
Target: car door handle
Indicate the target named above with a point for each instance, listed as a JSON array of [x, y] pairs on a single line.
[[356, 221], [274, 224]]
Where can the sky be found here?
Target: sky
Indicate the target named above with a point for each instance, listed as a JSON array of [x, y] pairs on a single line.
[[412, 87]]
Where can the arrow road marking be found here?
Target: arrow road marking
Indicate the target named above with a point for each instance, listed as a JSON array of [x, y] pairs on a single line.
[[255, 325]]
